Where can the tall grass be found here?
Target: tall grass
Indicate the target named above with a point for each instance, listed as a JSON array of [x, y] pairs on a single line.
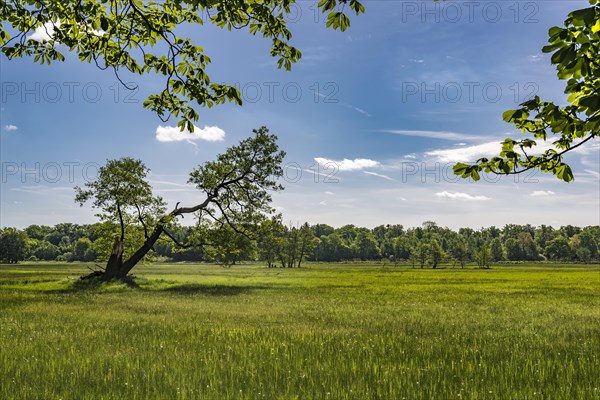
[[322, 332]]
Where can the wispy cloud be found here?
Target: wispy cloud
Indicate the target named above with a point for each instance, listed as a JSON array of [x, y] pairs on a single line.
[[346, 164], [465, 154], [472, 153], [590, 148], [315, 55], [541, 193], [416, 61], [535, 57], [42, 189], [378, 175], [167, 186], [347, 105], [460, 196], [358, 109], [444, 135], [10, 128], [168, 183], [173, 134]]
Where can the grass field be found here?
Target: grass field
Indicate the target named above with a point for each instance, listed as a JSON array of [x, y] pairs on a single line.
[[320, 332]]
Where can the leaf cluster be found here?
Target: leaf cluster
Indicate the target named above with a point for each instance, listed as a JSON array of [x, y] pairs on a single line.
[[141, 37], [123, 195], [576, 54]]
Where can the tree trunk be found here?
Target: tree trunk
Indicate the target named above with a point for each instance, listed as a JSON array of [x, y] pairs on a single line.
[[116, 267], [115, 261], [141, 252]]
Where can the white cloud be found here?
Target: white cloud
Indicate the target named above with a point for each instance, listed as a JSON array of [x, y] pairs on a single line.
[[590, 148], [316, 55], [535, 58], [538, 193], [43, 33], [350, 106], [167, 186], [169, 183], [9, 128], [347, 165], [173, 134], [417, 61], [358, 109], [42, 189], [466, 154], [434, 134], [471, 153], [460, 196], [378, 175], [330, 193]]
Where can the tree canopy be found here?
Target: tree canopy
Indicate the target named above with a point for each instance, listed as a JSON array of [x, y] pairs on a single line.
[[576, 54], [13, 245], [142, 37], [281, 246]]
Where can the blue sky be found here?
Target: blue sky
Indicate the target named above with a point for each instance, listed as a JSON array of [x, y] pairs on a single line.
[[372, 120]]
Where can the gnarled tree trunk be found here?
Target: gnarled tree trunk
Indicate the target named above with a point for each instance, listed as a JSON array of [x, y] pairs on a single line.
[[141, 252], [116, 268], [115, 261]]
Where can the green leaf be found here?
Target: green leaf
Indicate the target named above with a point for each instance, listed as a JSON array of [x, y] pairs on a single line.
[[357, 7], [509, 115], [554, 32], [104, 23], [564, 55], [584, 16], [326, 5], [592, 103], [564, 172], [459, 168], [551, 47]]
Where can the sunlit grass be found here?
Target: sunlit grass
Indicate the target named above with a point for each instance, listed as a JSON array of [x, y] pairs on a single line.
[[345, 331]]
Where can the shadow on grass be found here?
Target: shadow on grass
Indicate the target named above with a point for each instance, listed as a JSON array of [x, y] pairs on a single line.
[[93, 285], [160, 286], [211, 290]]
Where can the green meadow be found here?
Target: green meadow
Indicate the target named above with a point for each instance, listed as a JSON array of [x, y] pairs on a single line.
[[326, 331]]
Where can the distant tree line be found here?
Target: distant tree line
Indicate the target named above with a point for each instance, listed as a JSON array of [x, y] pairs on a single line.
[[281, 246]]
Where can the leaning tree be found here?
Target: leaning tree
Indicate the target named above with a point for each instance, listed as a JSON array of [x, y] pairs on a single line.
[[236, 196]]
